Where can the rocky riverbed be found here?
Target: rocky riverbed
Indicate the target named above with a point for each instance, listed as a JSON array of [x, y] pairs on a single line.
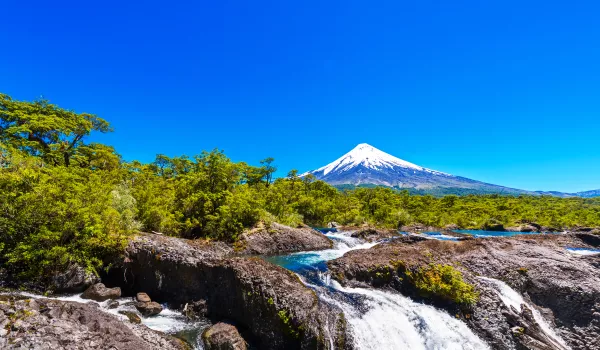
[[563, 287], [532, 293]]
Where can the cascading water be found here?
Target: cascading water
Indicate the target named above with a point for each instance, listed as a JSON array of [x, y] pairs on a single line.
[[511, 297], [379, 319]]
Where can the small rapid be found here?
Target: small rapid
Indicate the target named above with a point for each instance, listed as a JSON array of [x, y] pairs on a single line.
[[167, 321], [511, 297], [379, 320]]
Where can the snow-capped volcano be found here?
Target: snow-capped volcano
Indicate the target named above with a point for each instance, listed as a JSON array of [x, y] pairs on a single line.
[[366, 164], [369, 157]]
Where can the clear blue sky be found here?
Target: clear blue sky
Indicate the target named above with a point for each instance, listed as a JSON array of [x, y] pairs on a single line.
[[506, 92]]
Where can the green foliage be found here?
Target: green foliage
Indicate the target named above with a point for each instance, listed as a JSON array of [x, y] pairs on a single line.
[[444, 282], [46, 130], [288, 324], [63, 201], [53, 216]]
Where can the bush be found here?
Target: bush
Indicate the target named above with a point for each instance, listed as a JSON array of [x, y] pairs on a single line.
[[444, 282]]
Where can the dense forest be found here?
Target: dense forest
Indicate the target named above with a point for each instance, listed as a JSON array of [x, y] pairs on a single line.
[[64, 200]]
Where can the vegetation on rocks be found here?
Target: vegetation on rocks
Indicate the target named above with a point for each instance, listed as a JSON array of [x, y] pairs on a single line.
[[66, 201], [444, 282]]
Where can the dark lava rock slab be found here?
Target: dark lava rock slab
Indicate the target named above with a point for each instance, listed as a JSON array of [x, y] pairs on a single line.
[[46, 324], [99, 292], [279, 239]]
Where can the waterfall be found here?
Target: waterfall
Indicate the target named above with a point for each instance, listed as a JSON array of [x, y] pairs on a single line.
[[381, 320], [511, 297]]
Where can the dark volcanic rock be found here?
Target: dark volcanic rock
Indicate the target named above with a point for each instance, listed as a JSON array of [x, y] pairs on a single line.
[[52, 324], [278, 239], [196, 309], [493, 225], [373, 234], [267, 301], [223, 336], [588, 238], [523, 228], [99, 292], [73, 280], [148, 309], [564, 287]]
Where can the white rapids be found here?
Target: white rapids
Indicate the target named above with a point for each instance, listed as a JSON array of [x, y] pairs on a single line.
[[511, 297], [381, 320]]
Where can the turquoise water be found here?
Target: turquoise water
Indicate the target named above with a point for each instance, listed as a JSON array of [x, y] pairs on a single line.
[[482, 233], [326, 230]]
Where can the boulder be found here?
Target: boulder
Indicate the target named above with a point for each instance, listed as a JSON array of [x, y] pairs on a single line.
[[47, 324], [143, 298], [522, 228], [278, 239], [333, 224], [75, 279], [99, 292], [223, 336], [364, 233], [148, 309]]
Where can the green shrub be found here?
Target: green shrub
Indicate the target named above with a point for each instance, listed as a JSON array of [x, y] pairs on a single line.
[[444, 282]]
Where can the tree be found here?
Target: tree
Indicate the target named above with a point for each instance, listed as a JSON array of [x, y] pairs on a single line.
[[46, 130], [268, 169]]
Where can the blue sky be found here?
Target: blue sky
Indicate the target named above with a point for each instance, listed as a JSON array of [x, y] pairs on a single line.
[[506, 92]]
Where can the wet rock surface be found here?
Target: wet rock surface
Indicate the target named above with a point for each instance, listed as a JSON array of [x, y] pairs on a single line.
[[148, 309], [99, 292], [266, 301], [52, 324], [223, 336], [278, 239], [564, 287], [146, 306], [370, 234], [74, 280]]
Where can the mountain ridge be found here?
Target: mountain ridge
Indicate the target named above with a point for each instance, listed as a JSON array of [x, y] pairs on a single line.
[[367, 165]]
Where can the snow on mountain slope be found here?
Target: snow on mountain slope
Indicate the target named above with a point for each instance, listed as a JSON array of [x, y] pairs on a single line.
[[366, 164], [369, 157]]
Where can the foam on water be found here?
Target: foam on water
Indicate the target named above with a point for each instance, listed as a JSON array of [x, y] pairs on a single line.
[[583, 251], [511, 297], [381, 320]]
